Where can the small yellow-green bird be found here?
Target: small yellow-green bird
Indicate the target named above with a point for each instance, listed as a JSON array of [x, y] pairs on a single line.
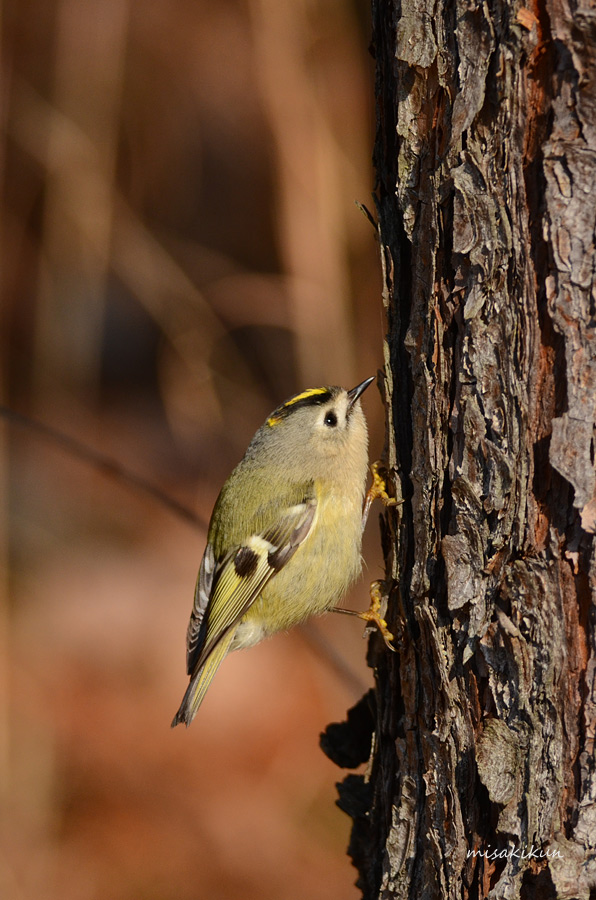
[[285, 536]]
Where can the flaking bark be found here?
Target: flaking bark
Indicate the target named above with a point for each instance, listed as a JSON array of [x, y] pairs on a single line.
[[484, 720]]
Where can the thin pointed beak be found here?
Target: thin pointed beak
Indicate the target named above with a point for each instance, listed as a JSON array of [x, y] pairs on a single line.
[[357, 392]]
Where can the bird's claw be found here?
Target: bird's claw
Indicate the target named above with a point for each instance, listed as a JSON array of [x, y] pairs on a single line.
[[373, 614], [378, 490]]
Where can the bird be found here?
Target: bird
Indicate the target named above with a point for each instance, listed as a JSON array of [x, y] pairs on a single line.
[[285, 536]]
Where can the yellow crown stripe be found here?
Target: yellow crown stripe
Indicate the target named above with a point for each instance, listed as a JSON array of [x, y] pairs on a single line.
[[311, 392], [277, 416]]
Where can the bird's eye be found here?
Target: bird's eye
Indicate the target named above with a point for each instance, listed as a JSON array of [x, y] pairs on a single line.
[[330, 419]]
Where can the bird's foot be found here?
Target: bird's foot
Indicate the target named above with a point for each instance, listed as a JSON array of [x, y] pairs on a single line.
[[378, 490], [373, 614]]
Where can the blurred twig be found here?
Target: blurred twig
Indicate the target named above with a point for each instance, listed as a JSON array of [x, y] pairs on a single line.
[[102, 463], [76, 233], [138, 257], [322, 649], [4, 629], [311, 220]]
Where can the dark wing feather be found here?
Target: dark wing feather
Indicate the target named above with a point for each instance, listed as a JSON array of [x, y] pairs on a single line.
[[227, 589]]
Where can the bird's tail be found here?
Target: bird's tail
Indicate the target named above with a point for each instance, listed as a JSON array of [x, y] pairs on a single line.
[[200, 681]]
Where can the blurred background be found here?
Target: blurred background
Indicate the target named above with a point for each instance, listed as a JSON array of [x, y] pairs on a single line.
[[181, 252]]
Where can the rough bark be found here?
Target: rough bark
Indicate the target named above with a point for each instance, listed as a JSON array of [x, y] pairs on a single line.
[[483, 723]]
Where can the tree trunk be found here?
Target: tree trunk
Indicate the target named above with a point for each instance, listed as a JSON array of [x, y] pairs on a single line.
[[481, 780]]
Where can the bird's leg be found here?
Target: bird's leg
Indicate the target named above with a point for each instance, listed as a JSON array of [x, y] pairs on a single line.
[[377, 491], [372, 614]]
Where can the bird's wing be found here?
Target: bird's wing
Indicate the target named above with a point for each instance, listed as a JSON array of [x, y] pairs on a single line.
[[203, 589], [225, 590]]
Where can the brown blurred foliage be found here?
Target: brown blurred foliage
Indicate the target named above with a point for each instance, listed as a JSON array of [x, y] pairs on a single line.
[[181, 251]]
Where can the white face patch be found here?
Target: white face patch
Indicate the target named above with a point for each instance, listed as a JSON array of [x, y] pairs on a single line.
[[331, 431], [332, 420]]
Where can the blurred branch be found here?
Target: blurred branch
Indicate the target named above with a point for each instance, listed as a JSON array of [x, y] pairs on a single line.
[[138, 258], [323, 650], [104, 464], [78, 210], [5, 772], [311, 215]]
